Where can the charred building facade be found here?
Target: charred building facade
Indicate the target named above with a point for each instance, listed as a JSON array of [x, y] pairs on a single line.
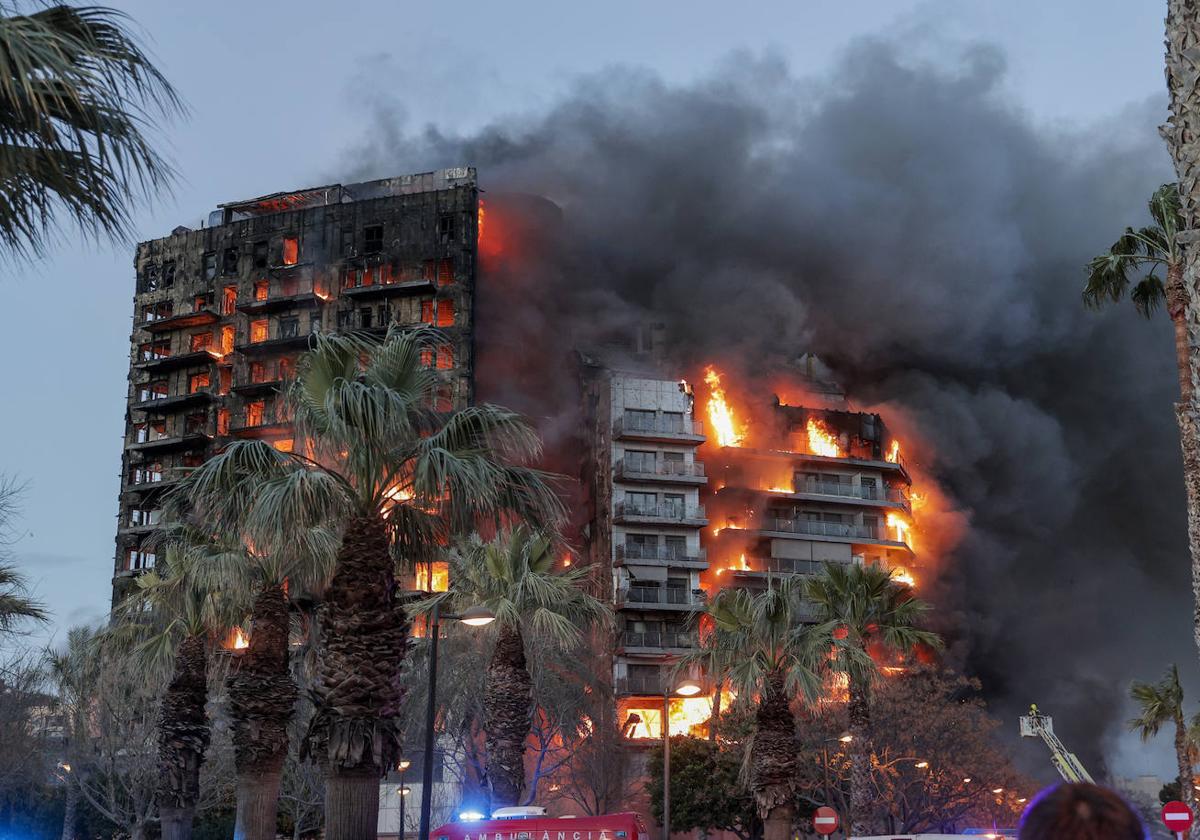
[[222, 312]]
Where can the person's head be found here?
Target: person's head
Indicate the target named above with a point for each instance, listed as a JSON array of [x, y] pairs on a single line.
[[1081, 812]]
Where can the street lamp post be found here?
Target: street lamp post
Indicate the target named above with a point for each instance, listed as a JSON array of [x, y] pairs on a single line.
[[400, 768], [844, 738], [686, 688], [476, 617]]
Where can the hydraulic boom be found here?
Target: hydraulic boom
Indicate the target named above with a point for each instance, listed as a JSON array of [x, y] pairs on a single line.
[[1038, 725]]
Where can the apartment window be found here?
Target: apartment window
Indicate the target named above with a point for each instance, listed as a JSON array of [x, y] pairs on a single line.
[[445, 313], [427, 357], [137, 560], [383, 314], [284, 445], [641, 546], [676, 547], [345, 319], [445, 228], [641, 501], [445, 272], [168, 274], [262, 289], [346, 242], [192, 460], [229, 263], [675, 503], [227, 333], [145, 473], [198, 381], [210, 266], [370, 275], [224, 379], [258, 330], [150, 278], [636, 418], [229, 300], [286, 368], [141, 517], [870, 489], [291, 250], [372, 239], [200, 341], [445, 358], [314, 322], [289, 286], [195, 424], [639, 462], [871, 524], [427, 311], [160, 349], [443, 399], [140, 433], [364, 317], [289, 327], [156, 390], [222, 421], [259, 254], [156, 311], [255, 412], [258, 372], [672, 421]]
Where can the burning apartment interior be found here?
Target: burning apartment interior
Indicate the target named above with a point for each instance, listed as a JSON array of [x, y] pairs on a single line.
[[222, 312]]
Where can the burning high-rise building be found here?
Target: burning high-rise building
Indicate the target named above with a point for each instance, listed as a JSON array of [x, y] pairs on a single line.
[[222, 312]]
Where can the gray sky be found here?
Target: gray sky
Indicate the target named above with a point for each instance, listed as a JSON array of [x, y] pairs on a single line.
[[279, 91]]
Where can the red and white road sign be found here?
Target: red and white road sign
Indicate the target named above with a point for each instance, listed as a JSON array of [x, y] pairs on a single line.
[[1177, 816], [825, 820]]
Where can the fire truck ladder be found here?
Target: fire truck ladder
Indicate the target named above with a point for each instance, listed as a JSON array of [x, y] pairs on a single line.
[[1038, 725]]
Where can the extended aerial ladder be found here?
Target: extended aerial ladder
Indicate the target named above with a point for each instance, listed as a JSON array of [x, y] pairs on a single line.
[[1037, 725]]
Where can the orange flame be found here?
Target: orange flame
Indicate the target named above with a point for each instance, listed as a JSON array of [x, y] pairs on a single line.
[[901, 525], [821, 441], [237, 640], [903, 576], [894, 453], [479, 227], [688, 716], [719, 413]]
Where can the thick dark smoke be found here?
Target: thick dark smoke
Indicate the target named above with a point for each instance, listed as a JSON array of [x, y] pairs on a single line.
[[927, 239]]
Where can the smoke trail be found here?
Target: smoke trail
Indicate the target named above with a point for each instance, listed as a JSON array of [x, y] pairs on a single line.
[[924, 237]]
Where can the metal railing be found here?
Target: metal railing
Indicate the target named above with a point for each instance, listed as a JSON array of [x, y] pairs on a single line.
[[658, 639], [851, 491], [250, 418], [790, 566], [674, 595], [658, 425], [822, 529], [661, 510], [629, 466], [667, 554]]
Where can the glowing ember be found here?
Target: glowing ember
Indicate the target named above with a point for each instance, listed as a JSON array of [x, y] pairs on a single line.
[[237, 640], [894, 453], [821, 441], [719, 413]]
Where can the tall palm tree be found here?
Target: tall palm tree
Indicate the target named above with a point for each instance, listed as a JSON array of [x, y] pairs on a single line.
[[1182, 35], [758, 643], [373, 460], [170, 623], [864, 613], [1157, 704], [77, 96], [514, 577], [16, 605]]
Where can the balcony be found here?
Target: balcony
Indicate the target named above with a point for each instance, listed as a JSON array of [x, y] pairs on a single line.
[[656, 641], [166, 482], [399, 287], [176, 443], [661, 597], [664, 513], [166, 405], [268, 423], [667, 472], [279, 303], [275, 345], [199, 318], [661, 429], [639, 555], [884, 496], [831, 530], [639, 685], [167, 363]]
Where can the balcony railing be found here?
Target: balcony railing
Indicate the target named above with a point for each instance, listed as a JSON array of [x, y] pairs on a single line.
[[659, 639], [666, 554], [822, 529], [851, 491], [789, 566], [658, 425], [661, 469], [249, 418], [661, 510], [668, 595]]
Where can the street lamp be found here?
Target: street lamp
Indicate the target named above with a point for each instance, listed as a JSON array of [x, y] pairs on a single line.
[[844, 738], [685, 688], [476, 616], [402, 791]]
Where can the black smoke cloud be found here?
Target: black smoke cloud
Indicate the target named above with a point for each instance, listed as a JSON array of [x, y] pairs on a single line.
[[927, 239]]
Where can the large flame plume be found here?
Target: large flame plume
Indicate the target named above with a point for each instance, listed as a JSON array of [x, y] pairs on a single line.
[[821, 441], [720, 415]]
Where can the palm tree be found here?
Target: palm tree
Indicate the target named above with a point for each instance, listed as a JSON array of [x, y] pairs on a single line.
[[759, 644], [514, 577], [77, 94], [373, 460], [1182, 34], [864, 613], [1159, 703], [169, 622], [15, 603]]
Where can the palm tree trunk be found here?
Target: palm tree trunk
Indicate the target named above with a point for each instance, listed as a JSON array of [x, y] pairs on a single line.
[[183, 735], [1180, 132], [773, 759], [1183, 757], [71, 809], [859, 712], [262, 697], [364, 635], [507, 713]]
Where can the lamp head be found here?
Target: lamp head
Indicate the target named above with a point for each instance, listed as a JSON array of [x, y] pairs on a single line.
[[688, 688], [477, 616]]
